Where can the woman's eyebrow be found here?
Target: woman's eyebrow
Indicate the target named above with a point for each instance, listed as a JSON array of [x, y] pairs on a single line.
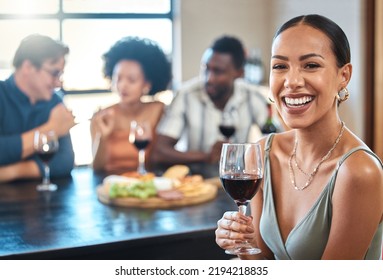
[[306, 56], [303, 57], [280, 57]]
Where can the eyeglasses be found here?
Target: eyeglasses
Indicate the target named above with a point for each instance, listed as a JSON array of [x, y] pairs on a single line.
[[55, 73]]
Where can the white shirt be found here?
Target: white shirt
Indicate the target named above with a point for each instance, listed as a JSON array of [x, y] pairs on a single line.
[[193, 115]]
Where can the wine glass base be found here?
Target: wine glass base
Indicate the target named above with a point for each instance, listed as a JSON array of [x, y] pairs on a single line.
[[47, 187], [142, 171], [243, 251]]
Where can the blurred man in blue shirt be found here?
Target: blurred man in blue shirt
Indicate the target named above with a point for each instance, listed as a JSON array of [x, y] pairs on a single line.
[[28, 103]]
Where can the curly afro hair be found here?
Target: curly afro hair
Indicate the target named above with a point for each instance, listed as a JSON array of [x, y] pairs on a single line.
[[147, 53]]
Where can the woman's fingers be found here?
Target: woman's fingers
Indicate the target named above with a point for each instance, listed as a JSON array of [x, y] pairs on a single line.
[[225, 238], [237, 217], [233, 228]]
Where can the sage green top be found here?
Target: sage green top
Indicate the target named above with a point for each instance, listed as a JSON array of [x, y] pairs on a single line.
[[308, 239]]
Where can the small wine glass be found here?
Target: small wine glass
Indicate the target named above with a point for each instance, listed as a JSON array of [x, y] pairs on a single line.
[[46, 144], [241, 172], [140, 136], [226, 126]]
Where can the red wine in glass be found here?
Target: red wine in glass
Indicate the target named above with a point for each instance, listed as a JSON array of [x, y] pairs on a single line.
[[241, 171], [45, 145], [46, 156], [140, 136], [141, 144], [227, 130], [241, 187]]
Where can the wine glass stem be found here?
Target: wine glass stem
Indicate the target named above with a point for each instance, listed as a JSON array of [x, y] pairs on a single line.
[[141, 161], [46, 180], [242, 209], [245, 244]]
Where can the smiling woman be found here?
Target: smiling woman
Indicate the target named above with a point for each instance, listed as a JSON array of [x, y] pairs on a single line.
[[311, 195]]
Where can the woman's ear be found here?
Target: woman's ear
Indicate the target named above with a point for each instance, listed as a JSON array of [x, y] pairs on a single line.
[[345, 72], [147, 88]]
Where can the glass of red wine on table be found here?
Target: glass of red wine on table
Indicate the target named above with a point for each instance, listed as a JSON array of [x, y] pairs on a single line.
[[241, 172], [46, 144], [140, 136], [226, 126]]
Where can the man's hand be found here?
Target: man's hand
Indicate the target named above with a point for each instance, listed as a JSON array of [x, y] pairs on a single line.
[[61, 120]]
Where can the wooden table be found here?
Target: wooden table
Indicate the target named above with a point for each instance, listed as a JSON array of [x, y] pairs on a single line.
[[72, 224]]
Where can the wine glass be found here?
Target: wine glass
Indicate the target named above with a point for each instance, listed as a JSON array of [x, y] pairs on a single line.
[[46, 145], [241, 172], [226, 126], [140, 136]]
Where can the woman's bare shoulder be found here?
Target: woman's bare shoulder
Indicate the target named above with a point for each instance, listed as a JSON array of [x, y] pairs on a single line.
[[363, 162], [361, 171], [360, 164], [108, 109], [154, 110], [154, 105]]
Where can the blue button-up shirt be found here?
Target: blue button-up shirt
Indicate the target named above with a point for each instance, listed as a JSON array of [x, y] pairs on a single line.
[[18, 115]]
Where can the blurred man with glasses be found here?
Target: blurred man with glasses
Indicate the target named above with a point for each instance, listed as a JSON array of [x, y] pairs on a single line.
[[29, 102]]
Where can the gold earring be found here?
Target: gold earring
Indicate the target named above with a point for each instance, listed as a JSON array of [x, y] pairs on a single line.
[[343, 95]]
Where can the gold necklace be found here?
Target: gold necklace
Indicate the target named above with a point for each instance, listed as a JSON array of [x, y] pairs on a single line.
[[312, 174]]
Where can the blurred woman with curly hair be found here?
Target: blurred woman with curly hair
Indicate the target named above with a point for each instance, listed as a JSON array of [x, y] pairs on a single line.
[[136, 67]]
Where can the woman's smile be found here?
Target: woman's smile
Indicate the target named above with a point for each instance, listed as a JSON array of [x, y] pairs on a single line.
[[298, 104]]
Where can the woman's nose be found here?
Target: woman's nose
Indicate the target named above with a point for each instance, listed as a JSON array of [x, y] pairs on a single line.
[[294, 79]]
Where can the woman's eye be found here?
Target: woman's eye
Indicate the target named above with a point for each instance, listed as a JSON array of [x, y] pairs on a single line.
[[279, 66], [311, 65]]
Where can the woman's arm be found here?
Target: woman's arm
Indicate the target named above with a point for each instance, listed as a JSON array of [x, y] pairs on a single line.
[[357, 207], [98, 135]]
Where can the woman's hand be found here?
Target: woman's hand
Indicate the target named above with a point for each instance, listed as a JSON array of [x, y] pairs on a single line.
[[104, 122], [233, 229]]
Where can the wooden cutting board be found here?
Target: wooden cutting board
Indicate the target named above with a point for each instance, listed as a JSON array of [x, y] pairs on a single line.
[[204, 193]]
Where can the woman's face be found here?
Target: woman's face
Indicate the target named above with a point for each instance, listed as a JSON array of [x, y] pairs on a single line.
[[304, 77], [129, 81]]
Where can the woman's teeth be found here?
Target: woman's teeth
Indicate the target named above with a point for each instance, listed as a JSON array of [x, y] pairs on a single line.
[[298, 101]]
